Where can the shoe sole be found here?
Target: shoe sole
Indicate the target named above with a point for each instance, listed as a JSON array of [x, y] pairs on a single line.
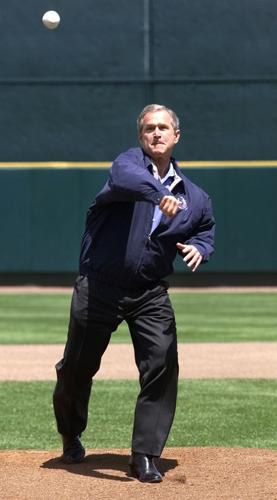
[[71, 461], [132, 473]]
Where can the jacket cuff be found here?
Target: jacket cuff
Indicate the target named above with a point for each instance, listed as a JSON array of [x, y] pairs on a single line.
[[159, 196]]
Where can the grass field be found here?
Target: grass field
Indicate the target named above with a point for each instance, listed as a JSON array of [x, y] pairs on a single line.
[[211, 317], [209, 413]]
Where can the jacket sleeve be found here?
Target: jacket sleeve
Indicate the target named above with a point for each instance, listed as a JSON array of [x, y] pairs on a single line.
[[203, 239], [130, 181]]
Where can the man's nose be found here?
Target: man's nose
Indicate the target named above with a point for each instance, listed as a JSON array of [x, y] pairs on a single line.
[[157, 131]]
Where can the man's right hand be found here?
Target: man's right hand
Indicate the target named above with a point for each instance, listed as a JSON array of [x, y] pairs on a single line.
[[169, 205]]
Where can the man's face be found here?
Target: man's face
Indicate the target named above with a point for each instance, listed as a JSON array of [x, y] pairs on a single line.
[[158, 136]]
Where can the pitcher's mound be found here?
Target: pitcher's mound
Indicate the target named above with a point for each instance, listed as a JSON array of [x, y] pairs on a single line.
[[189, 473]]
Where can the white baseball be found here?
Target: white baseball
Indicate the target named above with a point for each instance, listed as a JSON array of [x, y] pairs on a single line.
[[51, 19]]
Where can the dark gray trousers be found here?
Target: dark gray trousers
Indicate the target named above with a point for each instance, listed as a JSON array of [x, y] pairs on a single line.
[[97, 309]]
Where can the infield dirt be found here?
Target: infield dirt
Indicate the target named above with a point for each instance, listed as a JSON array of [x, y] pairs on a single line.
[[190, 473]]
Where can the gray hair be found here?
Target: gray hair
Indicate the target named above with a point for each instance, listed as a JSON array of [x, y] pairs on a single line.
[[152, 108]]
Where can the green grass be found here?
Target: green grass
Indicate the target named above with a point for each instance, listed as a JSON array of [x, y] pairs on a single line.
[[209, 413], [215, 317], [210, 317], [33, 318]]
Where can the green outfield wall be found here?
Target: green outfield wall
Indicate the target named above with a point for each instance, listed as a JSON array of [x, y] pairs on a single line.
[[72, 95], [43, 213]]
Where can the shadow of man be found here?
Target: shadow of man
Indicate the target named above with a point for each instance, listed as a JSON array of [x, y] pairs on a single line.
[[98, 465]]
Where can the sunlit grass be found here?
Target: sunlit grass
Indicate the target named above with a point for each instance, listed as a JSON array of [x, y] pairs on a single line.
[[207, 317], [209, 413]]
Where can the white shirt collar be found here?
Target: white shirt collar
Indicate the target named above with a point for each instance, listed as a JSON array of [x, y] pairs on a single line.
[[170, 172]]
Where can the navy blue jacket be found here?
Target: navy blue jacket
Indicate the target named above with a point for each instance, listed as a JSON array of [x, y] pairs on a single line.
[[117, 245]]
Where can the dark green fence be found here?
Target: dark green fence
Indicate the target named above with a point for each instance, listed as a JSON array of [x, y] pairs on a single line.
[[73, 94], [43, 213]]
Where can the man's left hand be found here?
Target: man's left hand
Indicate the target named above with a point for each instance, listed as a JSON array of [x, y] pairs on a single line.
[[193, 257]]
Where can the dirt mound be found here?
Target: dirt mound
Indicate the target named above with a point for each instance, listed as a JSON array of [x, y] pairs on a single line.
[[190, 473]]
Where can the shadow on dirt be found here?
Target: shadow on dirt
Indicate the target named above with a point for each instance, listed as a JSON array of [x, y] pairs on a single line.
[[98, 465]]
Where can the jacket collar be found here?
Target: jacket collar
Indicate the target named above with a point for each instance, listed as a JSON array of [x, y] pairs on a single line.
[[148, 161], [178, 174]]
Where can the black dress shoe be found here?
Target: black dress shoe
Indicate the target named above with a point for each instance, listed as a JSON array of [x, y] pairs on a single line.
[[73, 450], [143, 468]]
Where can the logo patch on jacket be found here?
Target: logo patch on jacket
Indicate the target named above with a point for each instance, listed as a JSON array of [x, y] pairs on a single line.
[[182, 201]]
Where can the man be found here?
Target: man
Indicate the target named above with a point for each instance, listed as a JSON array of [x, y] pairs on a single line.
[[145, 213]]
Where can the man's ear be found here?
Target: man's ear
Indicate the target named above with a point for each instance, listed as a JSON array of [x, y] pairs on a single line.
[[177, 135]]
